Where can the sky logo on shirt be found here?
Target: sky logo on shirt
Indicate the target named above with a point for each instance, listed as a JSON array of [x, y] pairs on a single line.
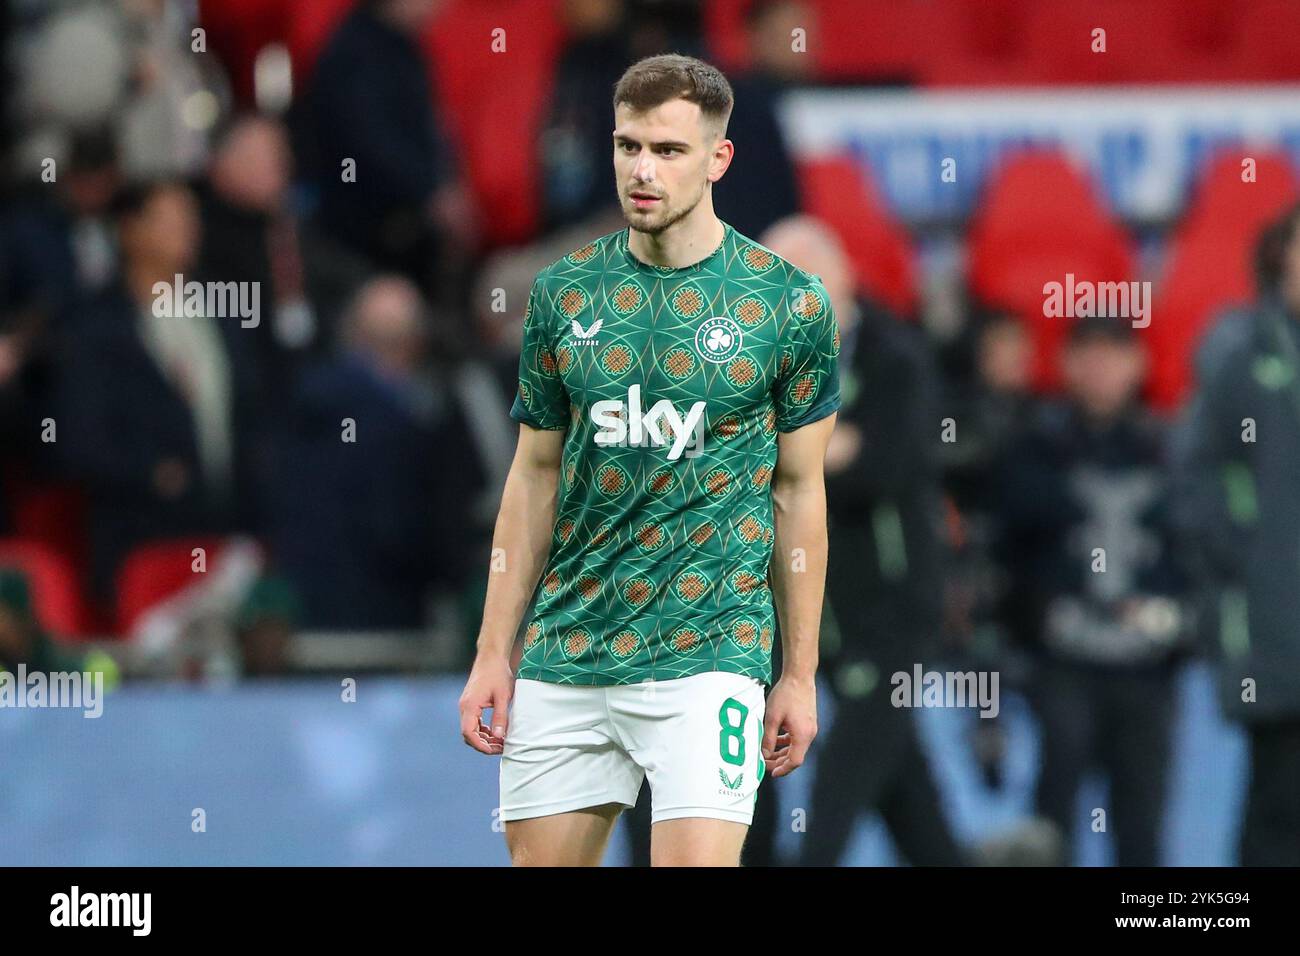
[[624, 424]]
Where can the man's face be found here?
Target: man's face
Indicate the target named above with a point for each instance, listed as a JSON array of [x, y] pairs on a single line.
[[1103, 375], [664, 158], [1005, 355]]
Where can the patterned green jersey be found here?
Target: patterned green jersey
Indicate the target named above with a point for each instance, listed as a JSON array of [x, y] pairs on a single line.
[[672, 385]]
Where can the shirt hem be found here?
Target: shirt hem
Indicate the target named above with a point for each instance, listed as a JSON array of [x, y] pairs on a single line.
[[551, 675]]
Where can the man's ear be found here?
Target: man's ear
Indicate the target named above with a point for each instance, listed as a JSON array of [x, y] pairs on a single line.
[[723, 153]]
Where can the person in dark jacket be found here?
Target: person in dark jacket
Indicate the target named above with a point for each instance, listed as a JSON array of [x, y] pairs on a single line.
[[248, 236], [385, 171], [574, 144], [1089, 541], [883, 572], [372, 480], [55, 250], [155, 416], [986, 402], [1240, 508], [763, 188]]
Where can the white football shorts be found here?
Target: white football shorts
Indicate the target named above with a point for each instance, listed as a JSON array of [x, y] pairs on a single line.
[[697, 738]]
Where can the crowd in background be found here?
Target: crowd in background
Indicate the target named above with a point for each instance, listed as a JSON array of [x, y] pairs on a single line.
[[378, 306]]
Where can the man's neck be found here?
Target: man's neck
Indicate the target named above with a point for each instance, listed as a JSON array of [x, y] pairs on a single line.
[[682, 244]]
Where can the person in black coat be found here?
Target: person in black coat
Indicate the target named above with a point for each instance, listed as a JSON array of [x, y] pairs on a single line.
[[574, 146], [1088, 539], [1239, 455], [883, 573], [249, 236], [370, 102], [155, 414], [761, 187], [374, 479]]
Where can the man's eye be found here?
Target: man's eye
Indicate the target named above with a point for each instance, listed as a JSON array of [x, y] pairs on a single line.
[[669, 149]]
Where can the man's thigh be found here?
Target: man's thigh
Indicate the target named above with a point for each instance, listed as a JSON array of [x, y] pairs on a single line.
[[564, 775], [697, 841], [698, 739], [576, 838]]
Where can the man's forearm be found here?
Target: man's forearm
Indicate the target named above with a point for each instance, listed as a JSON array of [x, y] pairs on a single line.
[[799, 570], [521, 544]]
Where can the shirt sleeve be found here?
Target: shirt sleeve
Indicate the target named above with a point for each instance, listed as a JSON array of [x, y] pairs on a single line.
[[807, 386], [541, 399]]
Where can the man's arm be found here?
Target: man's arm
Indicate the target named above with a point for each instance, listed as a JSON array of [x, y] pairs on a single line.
[[520, 546], [798, 585], [1214, 489]]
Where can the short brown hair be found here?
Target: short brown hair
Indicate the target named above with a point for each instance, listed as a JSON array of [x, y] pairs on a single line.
[[655, 80]]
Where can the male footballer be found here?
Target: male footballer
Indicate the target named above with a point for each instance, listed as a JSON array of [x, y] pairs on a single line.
[[678, 385]]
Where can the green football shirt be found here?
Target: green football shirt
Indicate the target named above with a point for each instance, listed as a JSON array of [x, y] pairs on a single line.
[[672, 385]]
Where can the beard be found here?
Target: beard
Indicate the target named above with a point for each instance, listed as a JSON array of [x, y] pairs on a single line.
[[656, 221]]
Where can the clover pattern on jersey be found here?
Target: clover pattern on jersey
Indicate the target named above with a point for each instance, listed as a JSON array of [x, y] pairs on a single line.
[[659, 567]]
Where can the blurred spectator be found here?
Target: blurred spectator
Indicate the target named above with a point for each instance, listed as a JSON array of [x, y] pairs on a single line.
[[154, 413], [56, 247], [760, 185], [371, 102], [1240, 456], [990, 395], [604, 37], [39, 286], [883, 573], [248, 236], [58, 237], [374, 480], [1084, 496], [988, 401], [987, 397], [576, 142]]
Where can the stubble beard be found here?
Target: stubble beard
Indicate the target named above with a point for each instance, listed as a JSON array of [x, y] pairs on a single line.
[[671, 217]]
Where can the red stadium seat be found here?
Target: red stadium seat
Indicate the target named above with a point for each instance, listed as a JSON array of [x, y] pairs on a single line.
[[1270, 38], [1210, 262], [1038, 221], [56, 596], [154, 572], [1224, 201], [495, 123], [237, 30], [54, 514], [836, 191]]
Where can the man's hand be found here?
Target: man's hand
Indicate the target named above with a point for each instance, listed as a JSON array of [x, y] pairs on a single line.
[[491, 684], [789, 724]]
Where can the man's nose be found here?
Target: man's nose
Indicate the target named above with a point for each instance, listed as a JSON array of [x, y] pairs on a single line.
[[645, 168]]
